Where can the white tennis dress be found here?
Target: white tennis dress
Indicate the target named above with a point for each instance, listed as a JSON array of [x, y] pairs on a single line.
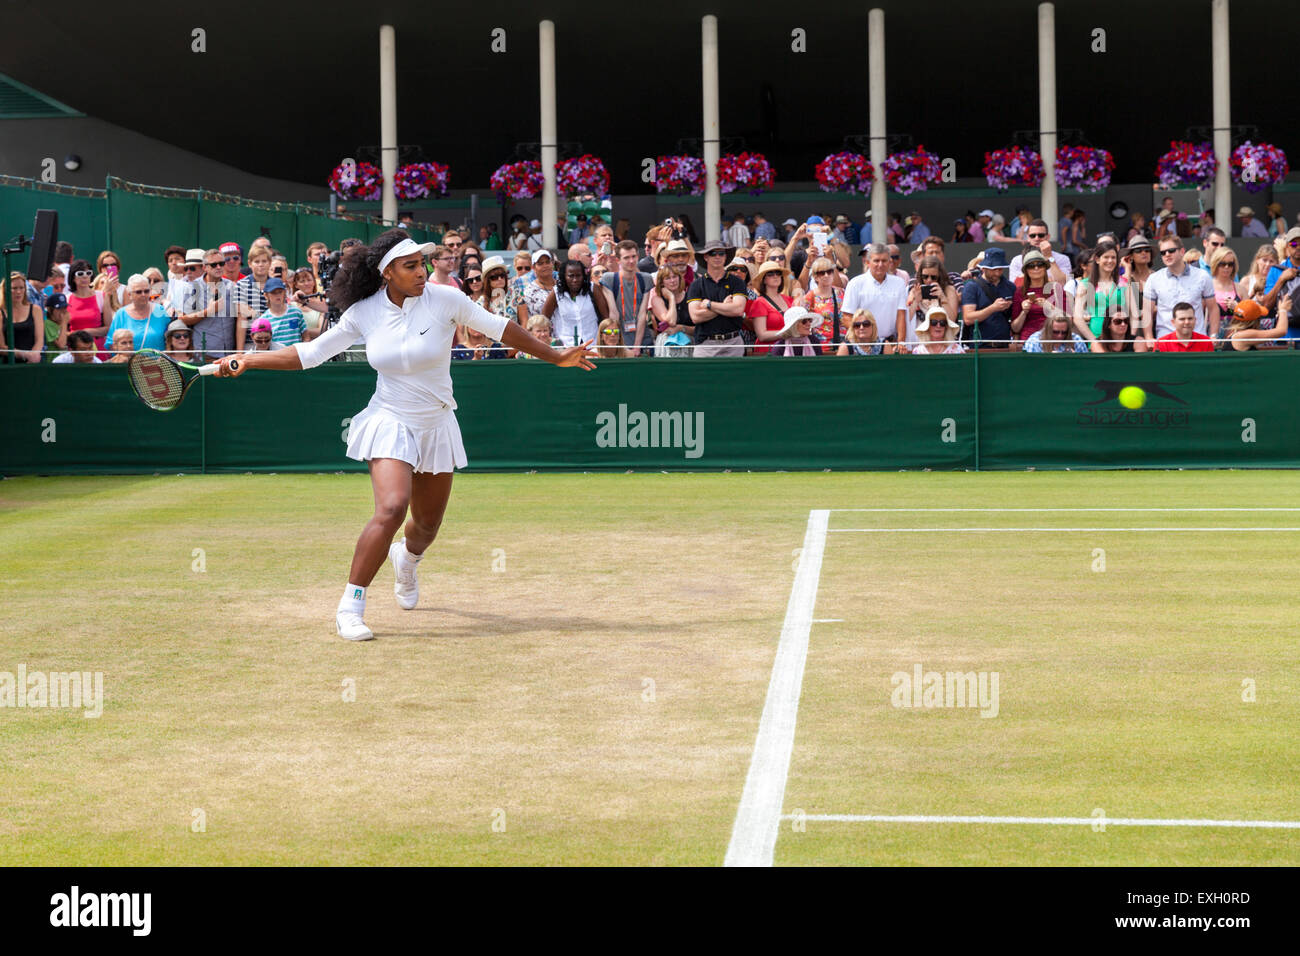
[[411, 416]]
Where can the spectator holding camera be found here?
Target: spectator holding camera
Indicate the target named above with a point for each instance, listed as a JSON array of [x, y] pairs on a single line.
[[302, 286], [28, 320]]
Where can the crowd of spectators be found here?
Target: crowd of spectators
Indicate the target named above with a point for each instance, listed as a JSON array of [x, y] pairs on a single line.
[[759, 288]]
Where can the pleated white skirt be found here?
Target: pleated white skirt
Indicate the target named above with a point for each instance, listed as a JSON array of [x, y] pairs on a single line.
[[379, 433]]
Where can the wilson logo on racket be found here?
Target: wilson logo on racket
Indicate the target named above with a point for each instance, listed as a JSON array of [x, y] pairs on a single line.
[[153, 374]]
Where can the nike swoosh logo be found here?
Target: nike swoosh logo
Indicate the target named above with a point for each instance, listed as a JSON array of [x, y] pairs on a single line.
[[426, 330]]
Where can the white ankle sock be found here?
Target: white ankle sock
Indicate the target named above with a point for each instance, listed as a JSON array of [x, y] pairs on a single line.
[[354, 599], [410, 558]]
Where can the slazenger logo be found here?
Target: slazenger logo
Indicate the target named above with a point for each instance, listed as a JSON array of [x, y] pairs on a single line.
[[1162, 409]]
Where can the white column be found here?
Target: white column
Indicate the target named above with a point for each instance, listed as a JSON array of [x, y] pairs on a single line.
[[876, 86], [388, 118], [1047, 112], [712, 134], [1223, 211], [550, 149]]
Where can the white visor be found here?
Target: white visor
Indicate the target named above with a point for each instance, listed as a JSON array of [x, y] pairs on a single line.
[[404, 248]]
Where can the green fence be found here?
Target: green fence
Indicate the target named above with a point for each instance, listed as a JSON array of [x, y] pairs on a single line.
[[139, 222], [940, 412]]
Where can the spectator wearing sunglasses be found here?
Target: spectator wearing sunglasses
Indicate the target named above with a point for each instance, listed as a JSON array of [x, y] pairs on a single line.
[[1177, 282], [1117, 335], [88, 310], [208, 307], [1039, 237], [178, 341], [261, 338], [937, 334], [862, 337], [232, 258], [881, 290], [145, 320], [896, 259], [931, 287]]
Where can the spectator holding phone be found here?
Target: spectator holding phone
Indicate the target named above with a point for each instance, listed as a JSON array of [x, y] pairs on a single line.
[[987, 302], [1036, 299], [931, 287], [108, 268], [88, 310]]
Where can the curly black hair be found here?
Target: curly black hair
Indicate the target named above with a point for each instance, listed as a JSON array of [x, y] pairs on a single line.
[[358, 276]]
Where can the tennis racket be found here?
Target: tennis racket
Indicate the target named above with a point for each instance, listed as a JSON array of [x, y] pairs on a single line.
[[160, 381]]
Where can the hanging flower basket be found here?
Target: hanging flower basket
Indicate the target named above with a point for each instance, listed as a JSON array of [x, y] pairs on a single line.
[[845, 172], [911, 170], [1084, 168], [1015, 166], [582, 174], [518, 181], [749, 171], [680, 175], [420, 181], [361, 181], [1256, 166], [1187, 164]]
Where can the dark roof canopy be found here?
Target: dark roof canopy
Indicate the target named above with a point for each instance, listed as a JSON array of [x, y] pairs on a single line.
[[289, 89]]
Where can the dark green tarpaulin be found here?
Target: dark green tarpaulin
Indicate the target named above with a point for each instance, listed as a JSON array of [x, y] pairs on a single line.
[[941, 412]]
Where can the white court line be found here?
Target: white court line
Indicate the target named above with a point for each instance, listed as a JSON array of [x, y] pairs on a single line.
[[982, 530], [1037, 510], [753, 837], [1044, 821]]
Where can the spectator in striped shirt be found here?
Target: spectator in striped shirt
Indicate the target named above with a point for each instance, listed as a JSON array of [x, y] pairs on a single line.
[[287, 323], [250, 293]]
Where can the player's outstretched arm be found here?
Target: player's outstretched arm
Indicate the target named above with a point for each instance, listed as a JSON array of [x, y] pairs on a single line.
[[284, 359], [580, 355]]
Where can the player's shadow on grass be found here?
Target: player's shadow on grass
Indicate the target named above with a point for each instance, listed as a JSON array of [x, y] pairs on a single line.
[[447, 622]]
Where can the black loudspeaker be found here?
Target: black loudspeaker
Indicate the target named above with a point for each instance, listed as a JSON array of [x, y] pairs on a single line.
[[46, 232]]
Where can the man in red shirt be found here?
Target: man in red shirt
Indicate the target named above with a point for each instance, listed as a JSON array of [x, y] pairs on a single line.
[[1184, 337]]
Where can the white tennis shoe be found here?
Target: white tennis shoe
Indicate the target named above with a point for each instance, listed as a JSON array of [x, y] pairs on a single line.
[[351, 627], [405, 584]]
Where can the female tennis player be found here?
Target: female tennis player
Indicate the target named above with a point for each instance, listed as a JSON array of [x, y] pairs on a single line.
[[408, 432]]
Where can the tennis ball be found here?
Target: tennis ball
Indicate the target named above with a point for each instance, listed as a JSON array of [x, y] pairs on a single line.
[[1130, 396]]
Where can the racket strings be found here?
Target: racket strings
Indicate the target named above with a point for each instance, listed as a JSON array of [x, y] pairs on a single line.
[[158, 382]]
